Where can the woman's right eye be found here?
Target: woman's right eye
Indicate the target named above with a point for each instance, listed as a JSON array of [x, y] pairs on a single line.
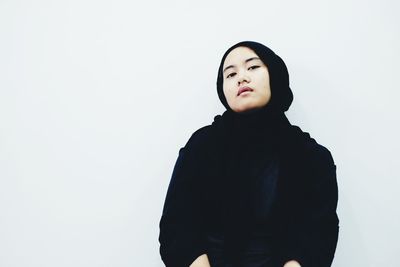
[[229, 75]]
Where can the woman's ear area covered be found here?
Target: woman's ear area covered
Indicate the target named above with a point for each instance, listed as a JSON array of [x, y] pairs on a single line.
[[275, 68], [245, 82]]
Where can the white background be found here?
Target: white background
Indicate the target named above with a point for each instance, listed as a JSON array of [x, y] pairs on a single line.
[[97, 97]]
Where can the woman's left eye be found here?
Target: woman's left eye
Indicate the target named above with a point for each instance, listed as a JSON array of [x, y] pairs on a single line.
[[254, 67]]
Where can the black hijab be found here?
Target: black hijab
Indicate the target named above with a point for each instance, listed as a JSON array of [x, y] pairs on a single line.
[[267, 122], [281, 95], [263, 127]]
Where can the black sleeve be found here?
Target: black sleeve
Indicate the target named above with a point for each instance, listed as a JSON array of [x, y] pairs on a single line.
[[181, 236], [313, 238]]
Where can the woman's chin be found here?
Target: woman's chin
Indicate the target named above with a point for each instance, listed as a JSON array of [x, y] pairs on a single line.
[[246, 108]]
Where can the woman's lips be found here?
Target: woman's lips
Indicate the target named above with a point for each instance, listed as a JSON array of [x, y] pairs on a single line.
[[244, 89]]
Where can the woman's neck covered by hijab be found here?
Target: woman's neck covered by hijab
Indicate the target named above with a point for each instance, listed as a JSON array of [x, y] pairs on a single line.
[[262, 125]]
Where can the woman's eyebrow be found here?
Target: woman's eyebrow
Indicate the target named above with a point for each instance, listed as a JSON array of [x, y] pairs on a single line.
[[247, 60]]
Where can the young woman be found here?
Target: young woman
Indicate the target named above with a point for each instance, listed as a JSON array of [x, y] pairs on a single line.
[[250, 189]]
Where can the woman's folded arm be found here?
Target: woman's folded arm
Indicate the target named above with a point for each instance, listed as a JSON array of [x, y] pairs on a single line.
[[181, 228], [312, 240]]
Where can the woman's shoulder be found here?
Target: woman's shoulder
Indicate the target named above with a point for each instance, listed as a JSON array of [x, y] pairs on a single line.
[[199, 137], [314, 153], [319, 155], [204, 135]]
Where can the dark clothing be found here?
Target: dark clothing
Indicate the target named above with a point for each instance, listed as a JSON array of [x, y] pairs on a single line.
[[252, 190], [286, 211]]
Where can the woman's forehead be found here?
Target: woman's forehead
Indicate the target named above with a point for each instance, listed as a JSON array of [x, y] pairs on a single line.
[[240, 55]]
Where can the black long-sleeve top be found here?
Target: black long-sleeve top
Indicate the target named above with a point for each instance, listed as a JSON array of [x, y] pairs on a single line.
[[288, 208]]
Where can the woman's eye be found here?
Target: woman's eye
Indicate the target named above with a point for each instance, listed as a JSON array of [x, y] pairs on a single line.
[[254, 67], [233, 73], [230, 74]]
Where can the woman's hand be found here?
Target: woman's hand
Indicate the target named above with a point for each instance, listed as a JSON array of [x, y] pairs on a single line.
[[201, 261], [292, 263]]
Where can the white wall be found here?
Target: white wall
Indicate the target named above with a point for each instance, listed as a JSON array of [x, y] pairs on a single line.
[[97, 97]]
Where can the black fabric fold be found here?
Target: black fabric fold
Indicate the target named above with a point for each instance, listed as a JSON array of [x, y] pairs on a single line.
[[249, 143]]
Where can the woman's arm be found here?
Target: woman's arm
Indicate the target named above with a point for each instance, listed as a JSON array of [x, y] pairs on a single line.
[[313, 238], [181, 225]]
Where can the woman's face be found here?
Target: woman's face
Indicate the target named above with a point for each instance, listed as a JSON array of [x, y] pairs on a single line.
[[244, 70]]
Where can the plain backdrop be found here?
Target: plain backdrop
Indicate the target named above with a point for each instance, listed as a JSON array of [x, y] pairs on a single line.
[[97, 97]]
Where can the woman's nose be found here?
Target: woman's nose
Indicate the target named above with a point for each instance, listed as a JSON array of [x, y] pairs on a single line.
[[242, 77]]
